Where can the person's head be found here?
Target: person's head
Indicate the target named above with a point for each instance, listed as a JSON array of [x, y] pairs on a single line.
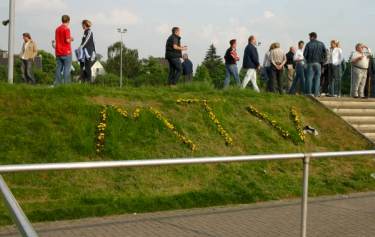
[[292, 49], [185, 56], [252, 40], [313, 36], [301, 44], [335, 44], [276, 45], [65, 19], [359, 47], [176, 31], [233, 43], [86, 24], [26, 37], [272, 46]]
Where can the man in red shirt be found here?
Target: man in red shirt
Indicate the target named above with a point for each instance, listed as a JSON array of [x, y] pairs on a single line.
[[63, 51]]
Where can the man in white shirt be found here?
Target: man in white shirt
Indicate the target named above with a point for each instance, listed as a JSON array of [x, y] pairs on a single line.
[[360, 63], [299, 80]]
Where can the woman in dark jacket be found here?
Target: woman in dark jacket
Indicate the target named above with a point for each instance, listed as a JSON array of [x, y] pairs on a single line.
[[88, 50]]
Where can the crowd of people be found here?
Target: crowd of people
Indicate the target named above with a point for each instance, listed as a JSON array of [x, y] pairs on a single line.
[[86, 53], [311, 69]]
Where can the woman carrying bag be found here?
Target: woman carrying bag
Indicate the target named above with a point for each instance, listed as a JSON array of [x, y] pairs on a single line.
[[86, 53]]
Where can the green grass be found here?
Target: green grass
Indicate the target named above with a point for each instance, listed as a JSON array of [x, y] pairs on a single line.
[[40, 124]]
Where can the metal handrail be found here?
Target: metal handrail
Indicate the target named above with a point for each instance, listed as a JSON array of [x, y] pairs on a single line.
[[26, 229], [18, 216]]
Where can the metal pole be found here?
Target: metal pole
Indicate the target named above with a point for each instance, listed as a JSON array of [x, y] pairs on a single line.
[[305, 195], [121, 60], [12, 9], [18, 216]]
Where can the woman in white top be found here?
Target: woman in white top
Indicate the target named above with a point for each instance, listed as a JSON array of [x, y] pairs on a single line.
[[336, 60]]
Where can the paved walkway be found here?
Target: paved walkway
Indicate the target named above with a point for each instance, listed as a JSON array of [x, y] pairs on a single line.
[[343, 216]]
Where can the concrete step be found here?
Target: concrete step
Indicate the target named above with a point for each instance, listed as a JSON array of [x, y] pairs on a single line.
[[346, 99], [354, 112], [365, 128], [371, 136], [359, 120], [349, 104]]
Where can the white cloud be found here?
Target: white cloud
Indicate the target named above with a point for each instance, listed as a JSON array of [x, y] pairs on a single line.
[[268, 14], [116, 17], [41, 5], [163, 29]]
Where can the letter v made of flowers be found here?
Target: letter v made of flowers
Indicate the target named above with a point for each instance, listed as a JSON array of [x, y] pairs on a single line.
[[273, 123]]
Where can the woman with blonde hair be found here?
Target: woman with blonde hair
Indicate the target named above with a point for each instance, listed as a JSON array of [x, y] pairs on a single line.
[[88, 50], [336, 61], [267, 65]]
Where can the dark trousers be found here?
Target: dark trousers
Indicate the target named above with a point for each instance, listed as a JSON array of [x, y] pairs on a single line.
[[175, 68], [335, 81], [276, 83], [86, 74], [326, 78], [27, 74], [299, 80], [188, 78]]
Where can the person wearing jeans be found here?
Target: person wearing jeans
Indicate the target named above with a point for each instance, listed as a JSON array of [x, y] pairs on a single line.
[[64, 65], [231, 58], [314, 72], [251, 64], [315, 54], [299, 79], [336, 61], [28, 53], [173, 53], [175, 69], [63, 50]]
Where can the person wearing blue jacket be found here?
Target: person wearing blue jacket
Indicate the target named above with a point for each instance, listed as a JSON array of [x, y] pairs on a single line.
[[187, 69], [315, 54], [88, 50], [251, 64]]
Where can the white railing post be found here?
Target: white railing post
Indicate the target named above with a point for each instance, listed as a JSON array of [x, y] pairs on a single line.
[[23, 224], [305, 195]]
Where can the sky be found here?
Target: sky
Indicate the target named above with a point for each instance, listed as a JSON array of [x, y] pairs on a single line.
[[202, 22]]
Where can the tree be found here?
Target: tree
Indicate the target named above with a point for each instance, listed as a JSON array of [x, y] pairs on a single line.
[[202, 74], [130, 60], [211, 54], [215, 66], [48, 61], [154, 72]]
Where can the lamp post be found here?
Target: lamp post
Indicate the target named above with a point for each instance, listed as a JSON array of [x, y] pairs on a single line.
[[12, 9], [122, 31]]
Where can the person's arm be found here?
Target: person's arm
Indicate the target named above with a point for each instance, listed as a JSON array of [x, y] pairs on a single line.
[[35, 50], [284, 61], [357, 59], [265, 60], [176, 47], [255, 57], [68, 37], [306, 51], [272, 59]]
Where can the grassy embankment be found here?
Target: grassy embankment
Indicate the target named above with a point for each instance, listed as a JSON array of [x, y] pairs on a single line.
[[41, 124]]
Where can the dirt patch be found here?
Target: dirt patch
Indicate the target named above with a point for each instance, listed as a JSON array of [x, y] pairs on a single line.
[[102, 100]]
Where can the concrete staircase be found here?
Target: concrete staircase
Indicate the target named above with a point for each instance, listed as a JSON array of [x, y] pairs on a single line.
[[359, 113]]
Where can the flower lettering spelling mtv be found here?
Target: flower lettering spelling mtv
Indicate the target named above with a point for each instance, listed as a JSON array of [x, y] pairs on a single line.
[[298, 123], [100, 140], [172, 128], [228, 139]]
